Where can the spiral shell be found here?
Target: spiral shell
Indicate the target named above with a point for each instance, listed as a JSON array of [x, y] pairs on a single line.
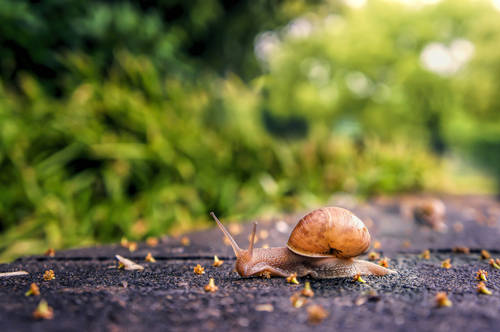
[[329, 232]]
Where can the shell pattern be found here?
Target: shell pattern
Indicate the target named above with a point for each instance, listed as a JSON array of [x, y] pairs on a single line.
[[329, 232]]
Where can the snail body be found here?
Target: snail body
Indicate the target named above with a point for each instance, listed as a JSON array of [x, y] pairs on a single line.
[[323, 245]]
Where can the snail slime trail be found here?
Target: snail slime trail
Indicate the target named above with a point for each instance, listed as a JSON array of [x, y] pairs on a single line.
[[323, 245]]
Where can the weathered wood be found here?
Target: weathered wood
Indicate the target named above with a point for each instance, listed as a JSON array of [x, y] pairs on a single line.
[[89, 293]]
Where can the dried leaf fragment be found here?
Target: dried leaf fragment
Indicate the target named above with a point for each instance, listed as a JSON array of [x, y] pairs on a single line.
[[358, 278], [210, 287], [13, 274], [426, 254], [34, 290], [150, 258], [124, 242], [373, 256], [185, 241], [43, 311], [50, 252], [49, 275], [292, 279], [377, 245], [446, 263], [127, 264], [198, 269], [485, 254], [495, 264], [481, 275], [383, 262], [132, 246], [316, 314], [265, 307], [266, 275], [442, 300], [297, 300], [481, 288], [307, 291], [217, 262], [461, 250], [152, 241]]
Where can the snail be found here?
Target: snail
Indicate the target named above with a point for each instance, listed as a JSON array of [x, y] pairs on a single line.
[[323, 245], [426, 211]]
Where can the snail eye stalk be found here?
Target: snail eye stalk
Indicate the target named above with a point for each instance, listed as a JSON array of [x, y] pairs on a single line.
[[237, 250], [252, 239]]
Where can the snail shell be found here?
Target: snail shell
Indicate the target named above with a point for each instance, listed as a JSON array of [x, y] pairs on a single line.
[[329, 232]]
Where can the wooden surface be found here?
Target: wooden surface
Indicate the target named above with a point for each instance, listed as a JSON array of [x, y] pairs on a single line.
[[90, 294]]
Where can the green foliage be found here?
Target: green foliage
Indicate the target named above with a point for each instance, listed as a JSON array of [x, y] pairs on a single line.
[[135, 134]]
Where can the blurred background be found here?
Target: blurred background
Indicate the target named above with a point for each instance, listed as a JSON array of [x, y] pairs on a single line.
[[136, 118]]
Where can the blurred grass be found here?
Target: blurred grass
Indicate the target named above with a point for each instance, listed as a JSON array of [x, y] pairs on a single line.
[[131, 141]]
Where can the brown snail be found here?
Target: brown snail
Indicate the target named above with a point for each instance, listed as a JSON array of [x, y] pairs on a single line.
[[323, 244]]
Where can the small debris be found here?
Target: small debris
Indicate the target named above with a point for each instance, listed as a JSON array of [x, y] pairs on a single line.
[[266, 275], [124, 242], [406, 244], [198, 269], [127, 264], [485, 254], [384, 262], [373, 256], [185, 241], [217, 262], [265, 307], [265, 246], [426, 254], [442, 300], [211, 286], [446, 263], [316, 314], [481, 275], [377, 245], [360, 300], [152, 241], [367, 296], [307, 291], [150, 258], [124, 284], [43, 311], [50, 252], [297, 300], [495, 264], [461, 250], [226, 241], [49, 275], [292, 279], [358, 278], [34, 290], [13, 274], [481, 288], [132, 246]]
